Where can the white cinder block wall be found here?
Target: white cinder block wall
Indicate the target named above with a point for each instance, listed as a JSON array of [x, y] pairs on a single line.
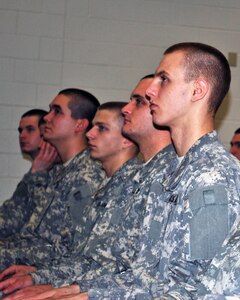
[[103, 46]]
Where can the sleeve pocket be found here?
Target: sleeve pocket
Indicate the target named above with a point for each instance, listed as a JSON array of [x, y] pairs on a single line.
[[209, 223]]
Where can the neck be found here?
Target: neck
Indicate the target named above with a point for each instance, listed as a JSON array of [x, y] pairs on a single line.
[[111, 165], [152, 144], [185, 136], [33, 154], [70, 150]]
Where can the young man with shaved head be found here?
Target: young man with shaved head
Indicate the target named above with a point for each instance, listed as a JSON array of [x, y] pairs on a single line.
[[15, 212], [50, 229]]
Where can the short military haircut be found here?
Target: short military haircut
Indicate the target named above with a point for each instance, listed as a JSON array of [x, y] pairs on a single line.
[[82, 104], [35, 112], [115, 106], [237, 131], [208, 62], [40, 113]]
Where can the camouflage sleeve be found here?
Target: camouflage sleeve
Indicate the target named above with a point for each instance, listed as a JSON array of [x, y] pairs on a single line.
[[129, 291], [14, 212], [60, 273], [36, 180], [126, 286], [118, 294], [219, 297]]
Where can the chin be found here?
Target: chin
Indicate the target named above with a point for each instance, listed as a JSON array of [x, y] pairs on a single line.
[[47, 137], [156, 120], [127, 133], [94, 155], [25, 150]]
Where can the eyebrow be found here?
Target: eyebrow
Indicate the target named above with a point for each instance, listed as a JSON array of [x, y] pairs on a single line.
[[160, 73], [137, 96], [99, 123], [26, 127], [51, 106], [237, 143]]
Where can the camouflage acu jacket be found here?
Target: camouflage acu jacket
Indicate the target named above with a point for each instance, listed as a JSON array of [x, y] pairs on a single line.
[[50, 230], [69, 267], [15, 212]]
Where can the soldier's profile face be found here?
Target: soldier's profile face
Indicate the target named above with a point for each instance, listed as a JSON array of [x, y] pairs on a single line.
[[105, 138], [29, 134], [169, 94], [137, 115], [60, 126], [235, 145]]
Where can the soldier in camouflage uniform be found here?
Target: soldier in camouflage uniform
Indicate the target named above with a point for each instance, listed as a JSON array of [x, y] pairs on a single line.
[[200, 201], [235, 144], [114, 243], [15, 211], [50, 230]]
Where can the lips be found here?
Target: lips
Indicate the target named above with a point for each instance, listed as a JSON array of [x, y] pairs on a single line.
[[91, 146], [47, 130], [152, 106], [126, 121]]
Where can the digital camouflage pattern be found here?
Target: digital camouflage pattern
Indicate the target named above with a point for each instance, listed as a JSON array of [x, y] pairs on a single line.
[[15, 212], [60, 272], [114, 241], [49, 233], [218, 297], [223, 275], [187, 218]]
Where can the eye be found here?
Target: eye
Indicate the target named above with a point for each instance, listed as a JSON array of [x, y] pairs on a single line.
[[102, 128], [235, 144], [139, 101], [163, 78], [57, 110], [30, 129]]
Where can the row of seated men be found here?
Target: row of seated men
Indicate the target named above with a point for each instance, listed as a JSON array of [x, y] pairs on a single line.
[[93, 219]]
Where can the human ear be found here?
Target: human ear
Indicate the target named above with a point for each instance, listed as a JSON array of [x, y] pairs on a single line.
[[81, 125], [200, 89]]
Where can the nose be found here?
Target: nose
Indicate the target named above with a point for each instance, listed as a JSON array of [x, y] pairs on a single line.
[[22, 134], [91, 133], [126, 110], [151, 92], [48, 117]]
